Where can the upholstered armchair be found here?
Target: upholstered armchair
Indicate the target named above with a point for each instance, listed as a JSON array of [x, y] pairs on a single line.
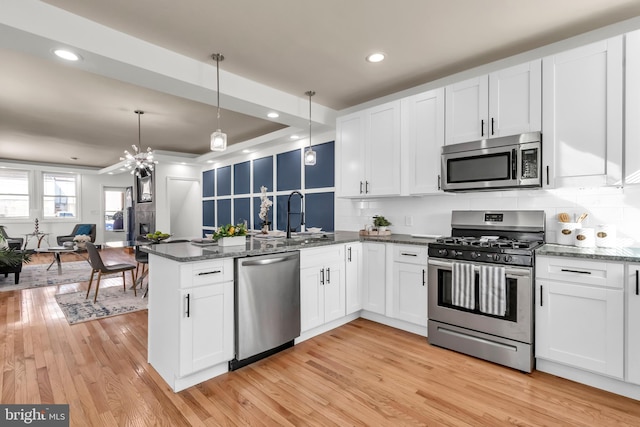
[[7, 258], [16, 241], [87, 229]]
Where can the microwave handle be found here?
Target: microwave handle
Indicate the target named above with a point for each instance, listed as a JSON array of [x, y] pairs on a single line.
[[514, 163]]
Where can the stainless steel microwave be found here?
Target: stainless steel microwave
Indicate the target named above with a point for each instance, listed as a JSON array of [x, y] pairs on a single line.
[[491, 164]]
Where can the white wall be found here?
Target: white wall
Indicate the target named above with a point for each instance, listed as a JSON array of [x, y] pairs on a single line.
[[432, 214], [163, 174]]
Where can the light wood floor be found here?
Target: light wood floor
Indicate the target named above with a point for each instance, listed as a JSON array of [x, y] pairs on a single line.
[[360, 374]]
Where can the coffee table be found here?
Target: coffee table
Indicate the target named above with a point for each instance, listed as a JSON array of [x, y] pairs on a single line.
[[56, 251]]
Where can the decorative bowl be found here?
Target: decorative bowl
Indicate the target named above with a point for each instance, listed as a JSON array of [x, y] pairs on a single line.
[[157, 238]]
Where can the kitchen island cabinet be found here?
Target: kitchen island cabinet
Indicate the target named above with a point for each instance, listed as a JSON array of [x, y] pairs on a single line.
[[582, 115], [322, 286], [368, 145], [505, 102], [191, 319]]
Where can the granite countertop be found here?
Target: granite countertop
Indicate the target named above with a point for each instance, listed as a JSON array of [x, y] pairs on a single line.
[[605, 254], [187, 252]]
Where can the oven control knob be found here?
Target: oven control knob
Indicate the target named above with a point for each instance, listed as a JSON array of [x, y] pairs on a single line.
[[457, 253], [475, 255], [508, 258], [443, 252], [496, 257]]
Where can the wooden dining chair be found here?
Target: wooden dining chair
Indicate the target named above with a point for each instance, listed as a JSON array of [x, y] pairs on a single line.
[[97, 265]]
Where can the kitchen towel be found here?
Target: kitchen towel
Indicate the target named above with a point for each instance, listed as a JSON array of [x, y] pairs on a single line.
[[493, 290], [462, 285]]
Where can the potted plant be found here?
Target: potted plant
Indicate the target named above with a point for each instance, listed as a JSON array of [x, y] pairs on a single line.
[[11, 258], [381, 223], [231, 235]]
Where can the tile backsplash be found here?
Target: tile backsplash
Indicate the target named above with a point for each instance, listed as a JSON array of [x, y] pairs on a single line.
[[432, 214]]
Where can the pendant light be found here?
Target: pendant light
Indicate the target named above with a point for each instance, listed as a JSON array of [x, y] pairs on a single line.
[[309, 154], [218, 138], [140, 162]]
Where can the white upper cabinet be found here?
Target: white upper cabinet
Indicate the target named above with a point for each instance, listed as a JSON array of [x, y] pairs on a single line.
[[422, 139], [506, 102], [632, 120], [582, 115], [368, 142]]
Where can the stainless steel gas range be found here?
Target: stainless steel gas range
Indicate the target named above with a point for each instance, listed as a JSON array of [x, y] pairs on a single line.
[[481, 283]]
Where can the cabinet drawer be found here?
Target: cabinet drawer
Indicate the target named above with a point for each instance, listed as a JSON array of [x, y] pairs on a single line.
[[586, 272], [314, 257], [207, 272], [411, 254]]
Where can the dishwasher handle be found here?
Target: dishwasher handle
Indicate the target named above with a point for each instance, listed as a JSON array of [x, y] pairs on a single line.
[[266, 261]]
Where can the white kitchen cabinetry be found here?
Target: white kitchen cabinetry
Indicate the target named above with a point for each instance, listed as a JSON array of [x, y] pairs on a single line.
[[368, 161], [632, 110], [422, 139], [322, 286], [506, 102], [409, 288], [582, 115], [633, 323], [580, 314], [374, 277], [191, 319], [353, 277]]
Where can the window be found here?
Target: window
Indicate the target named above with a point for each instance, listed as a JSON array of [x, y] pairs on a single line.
[[14, 193], [59, 198], [114, 209]]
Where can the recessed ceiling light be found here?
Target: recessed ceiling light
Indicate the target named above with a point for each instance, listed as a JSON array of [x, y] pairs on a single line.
[[294, 137], [66, 54], [273, 115], [376, 57]]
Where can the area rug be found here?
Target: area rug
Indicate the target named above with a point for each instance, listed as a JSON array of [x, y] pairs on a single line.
[[36, 276], [112, 301]]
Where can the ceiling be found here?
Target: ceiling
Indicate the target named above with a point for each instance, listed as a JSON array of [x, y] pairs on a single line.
[[155, 55]]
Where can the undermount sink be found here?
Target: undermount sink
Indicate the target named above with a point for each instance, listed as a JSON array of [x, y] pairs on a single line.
[[306, 238]]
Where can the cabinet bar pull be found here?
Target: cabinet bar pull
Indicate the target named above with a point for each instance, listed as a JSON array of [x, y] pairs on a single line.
[[328, 275], [637, 282], [547, 174], [492, 121], [204, 273], [322, 276], [566, 270], [407, 254], [424, 281], [439, 186], [540, 295], [482, 127], [349, 254], [188, 304], [366, 187]]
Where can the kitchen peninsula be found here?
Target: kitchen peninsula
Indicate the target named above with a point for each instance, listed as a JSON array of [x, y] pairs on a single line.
[[191, 298]]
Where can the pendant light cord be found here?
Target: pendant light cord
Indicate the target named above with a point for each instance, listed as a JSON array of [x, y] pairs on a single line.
[[310, 93], [218, 57]]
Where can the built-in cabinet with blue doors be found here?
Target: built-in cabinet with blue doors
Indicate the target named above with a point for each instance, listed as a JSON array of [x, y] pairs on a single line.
[[231, 193]]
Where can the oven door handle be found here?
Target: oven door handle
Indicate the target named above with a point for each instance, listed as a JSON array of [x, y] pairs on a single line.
[[510, 272]]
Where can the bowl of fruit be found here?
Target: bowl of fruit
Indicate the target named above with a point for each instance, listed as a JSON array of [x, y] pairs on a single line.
[[158, 236]]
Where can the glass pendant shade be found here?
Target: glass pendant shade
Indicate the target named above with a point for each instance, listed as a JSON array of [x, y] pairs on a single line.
[[309, 157], [218, 141]]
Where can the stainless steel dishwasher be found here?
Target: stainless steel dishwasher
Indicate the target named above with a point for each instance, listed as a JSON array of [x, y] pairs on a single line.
[[267, 303]]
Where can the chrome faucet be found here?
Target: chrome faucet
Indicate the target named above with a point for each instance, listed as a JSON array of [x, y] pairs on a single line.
[[289, 212]]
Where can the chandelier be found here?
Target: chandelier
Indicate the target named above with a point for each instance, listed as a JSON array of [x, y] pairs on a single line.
[[139, 162], [218, 138]]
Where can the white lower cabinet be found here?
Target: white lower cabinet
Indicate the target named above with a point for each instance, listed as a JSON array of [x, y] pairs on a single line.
[[374, 277], [322, 286], [353, 277], [633, 323], [580, 314], [191, 319], [409, 288], [206, 327]]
